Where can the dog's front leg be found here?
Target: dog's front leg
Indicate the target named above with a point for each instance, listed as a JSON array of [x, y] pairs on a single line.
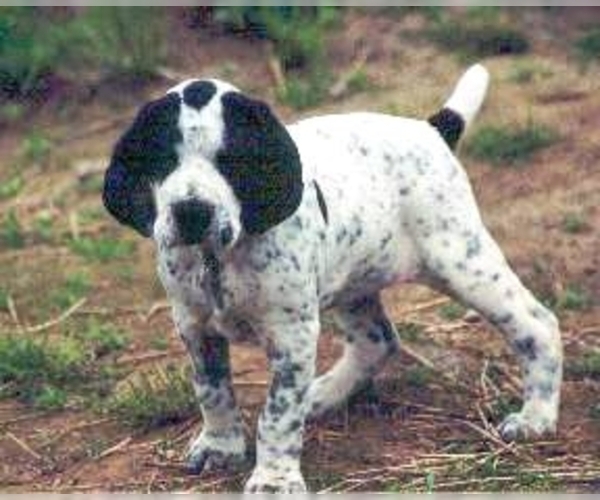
[[291, 352], [221, 443]]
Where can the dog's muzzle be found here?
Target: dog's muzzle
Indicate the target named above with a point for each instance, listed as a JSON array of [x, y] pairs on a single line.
[[196, 220]]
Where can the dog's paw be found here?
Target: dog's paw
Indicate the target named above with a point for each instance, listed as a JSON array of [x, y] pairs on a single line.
[[266, 480], [217, 450], [522, 425]]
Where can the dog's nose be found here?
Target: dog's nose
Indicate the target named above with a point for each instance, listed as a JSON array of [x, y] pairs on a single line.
[[192, 219]]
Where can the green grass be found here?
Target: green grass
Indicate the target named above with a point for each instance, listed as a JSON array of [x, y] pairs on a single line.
[[509, 145], [35, 148], [586, 366], [11, 188], [504, 406], [410, 332], [452, 311], [50, 398], [304, 92], [11, 112], [37, 371], [574, 223], [102, 338], [4, 299], [11, 232], [573, 298], [462, 472], [419, 376], [73, 288], [159, 341], [101, 249], [43, 226], [479, 33], [359, 81], [92, 184], [527, 71], [154, 399]]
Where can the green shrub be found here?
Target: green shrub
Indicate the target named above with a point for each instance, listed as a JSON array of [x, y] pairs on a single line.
[[36, 43], [122, 41], [28, 49], [509, 145], [297, 32], [299, 40]]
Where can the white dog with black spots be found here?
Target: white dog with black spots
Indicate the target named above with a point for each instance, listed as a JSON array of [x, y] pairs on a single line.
[[259, 227]]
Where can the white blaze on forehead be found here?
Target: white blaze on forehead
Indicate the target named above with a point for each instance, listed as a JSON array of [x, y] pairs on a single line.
[[203, 129]]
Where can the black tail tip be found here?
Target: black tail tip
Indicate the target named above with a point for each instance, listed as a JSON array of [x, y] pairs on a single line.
[[449, 124]]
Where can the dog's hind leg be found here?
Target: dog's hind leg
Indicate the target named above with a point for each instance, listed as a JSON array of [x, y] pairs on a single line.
[[467, 263], [370, 338]]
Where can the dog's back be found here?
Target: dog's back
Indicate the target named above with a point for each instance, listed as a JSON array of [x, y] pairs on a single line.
[[375, 172]]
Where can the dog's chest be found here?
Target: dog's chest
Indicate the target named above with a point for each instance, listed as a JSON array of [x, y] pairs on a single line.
[[222, 297]]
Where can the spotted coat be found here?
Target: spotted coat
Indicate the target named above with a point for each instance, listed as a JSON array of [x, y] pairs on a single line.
[[259, 227]]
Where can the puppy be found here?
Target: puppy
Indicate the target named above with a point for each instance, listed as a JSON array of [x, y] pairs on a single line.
[[258, 227]]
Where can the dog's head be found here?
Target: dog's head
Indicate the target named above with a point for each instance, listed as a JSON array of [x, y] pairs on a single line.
[[203, 163]]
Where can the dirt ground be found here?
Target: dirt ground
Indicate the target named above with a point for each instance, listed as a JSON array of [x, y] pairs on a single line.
[[428, 421]]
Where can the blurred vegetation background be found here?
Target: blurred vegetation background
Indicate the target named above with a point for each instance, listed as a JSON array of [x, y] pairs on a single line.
[[45, 48], [42, 48]]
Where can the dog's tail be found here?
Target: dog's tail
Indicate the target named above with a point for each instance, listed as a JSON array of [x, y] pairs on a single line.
[[462, 105]]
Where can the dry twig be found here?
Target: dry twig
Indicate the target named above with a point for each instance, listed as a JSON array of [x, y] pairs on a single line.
[[152, 356], [340, 87], [114, 449], [77, 427], [56, 321], [426, 306], [12, 310], [23, 445]]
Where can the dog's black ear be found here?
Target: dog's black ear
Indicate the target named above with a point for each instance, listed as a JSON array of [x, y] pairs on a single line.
[[143, 156], [260, 161]]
